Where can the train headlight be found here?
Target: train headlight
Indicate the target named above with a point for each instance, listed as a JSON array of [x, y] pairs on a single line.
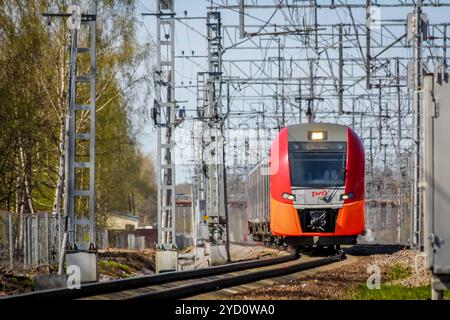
[[317, 135], [346, 196], [288, 196]]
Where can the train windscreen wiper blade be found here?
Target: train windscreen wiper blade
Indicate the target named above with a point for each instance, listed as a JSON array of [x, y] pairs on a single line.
[[334, 187]]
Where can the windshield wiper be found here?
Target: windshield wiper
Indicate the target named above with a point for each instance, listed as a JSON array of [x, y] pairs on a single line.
[[334, 187]]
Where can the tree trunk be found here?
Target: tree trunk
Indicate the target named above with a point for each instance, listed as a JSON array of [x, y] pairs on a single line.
[[19, 213], [57, 204], [26, 167]]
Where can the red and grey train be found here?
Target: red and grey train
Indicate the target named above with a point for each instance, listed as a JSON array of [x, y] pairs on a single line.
[[311, 192]]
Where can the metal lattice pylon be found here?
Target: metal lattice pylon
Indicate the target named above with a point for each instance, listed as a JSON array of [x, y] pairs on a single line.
[[80, 202], [165, 104], [213, 143]]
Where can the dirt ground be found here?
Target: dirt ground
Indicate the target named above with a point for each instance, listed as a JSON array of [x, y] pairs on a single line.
[[12, 283], [241, 252], [397, 266]]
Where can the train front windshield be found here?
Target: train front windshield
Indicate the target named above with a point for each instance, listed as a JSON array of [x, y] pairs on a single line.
[[317, 164]]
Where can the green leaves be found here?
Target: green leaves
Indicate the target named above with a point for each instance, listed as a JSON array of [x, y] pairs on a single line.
[[33, 103]]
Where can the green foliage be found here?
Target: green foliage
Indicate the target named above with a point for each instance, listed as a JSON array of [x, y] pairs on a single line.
[[394, 292], [398, 272], [114, 269], [34, 100]]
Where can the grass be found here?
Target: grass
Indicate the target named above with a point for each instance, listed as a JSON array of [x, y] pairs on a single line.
[[22, 281], [394, 292], [115, 269], [398, 272]]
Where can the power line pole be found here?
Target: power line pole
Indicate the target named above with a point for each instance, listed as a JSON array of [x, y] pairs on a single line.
[[79, 234], [299, 100], [165, 104], [216, 196], [201, 171], [341, 70], [417, 201], [399, 103], [281, 79], [242, 18], [79, 223], [368, 43]]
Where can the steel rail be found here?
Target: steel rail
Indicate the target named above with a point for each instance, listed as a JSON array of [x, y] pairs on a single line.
[[114, 286], [190, 290]]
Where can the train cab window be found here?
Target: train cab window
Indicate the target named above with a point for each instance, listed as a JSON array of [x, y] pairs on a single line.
[[318, 165]]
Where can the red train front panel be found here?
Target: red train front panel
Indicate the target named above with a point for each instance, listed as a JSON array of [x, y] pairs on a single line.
[[317, 182]]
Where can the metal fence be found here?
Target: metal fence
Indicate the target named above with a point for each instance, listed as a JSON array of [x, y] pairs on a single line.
[[387, 222], [33, 240], [388, 211], [29, 240], [41, 240], [6, 242]]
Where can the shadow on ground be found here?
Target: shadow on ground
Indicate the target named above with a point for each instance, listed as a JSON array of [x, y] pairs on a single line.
[[368, 250]]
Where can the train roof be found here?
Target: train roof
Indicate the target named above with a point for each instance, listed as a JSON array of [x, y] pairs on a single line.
[[321, 125], [300, 132]]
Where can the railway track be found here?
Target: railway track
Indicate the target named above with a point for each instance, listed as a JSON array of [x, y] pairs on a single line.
[[183, 284]]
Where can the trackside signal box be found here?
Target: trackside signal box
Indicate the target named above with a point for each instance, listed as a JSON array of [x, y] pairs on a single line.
[[436, 107]]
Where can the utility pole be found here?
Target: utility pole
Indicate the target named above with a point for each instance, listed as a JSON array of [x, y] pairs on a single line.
[[310, 112], [299, 100], [417, 201], [315, 61], [399, 102], [216, 196], [242, 19], [368, 43], [165, 104], [281, 78], [380, 113], [201, 226], [277, 92], [341, 71], [444, 47], [371, 158], [353, 114], [79, 242]]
